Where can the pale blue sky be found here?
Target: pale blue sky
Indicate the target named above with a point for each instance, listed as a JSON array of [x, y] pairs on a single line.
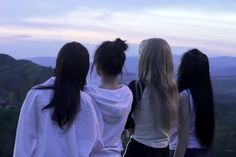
[[39, 28]]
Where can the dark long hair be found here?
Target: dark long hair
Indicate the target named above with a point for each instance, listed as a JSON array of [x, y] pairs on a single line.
[[71, 70], [193, 74], [110, 56]]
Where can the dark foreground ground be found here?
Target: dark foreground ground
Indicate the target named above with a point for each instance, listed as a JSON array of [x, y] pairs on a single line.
[[225, 136]]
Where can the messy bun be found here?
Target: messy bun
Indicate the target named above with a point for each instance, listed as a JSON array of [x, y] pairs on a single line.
[[110, 56], [120, 45]]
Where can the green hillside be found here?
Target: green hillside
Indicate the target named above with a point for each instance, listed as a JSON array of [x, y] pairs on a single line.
[[225, 109], [17, 77]]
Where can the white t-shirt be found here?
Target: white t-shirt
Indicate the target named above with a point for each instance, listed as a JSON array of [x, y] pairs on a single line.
[[115, 106], [146, 132], [193, 141], [39, 136]]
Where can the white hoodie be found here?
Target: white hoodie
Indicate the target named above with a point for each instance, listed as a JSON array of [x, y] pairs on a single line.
[[115, 106], [39, 136]]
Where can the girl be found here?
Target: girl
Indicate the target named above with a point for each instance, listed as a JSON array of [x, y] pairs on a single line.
[[57, 118], [113, 99], [196, 108], [155, 99]]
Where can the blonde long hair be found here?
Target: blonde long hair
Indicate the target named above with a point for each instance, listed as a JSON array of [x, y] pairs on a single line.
[[156, 70]]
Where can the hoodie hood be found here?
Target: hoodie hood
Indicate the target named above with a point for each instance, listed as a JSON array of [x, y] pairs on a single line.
[[115, 106], [112, 103]]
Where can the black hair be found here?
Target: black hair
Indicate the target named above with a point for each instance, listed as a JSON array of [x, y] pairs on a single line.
[[72, 66], [194, 74], [110, 57]]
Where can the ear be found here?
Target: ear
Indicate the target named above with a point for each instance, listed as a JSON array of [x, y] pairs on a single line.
[[98, 70]]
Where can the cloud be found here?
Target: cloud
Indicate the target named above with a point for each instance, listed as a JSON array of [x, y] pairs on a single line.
[[185, 25], [168, 22]]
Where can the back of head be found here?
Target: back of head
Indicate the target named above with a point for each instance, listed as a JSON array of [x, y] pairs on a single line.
[[194, 74], [110, 57], [193, 70], [72, 66], [156, 70]]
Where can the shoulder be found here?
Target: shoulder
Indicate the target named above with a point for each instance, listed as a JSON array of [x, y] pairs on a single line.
[[84, 95], [86, 100], [127, 88], [126, 91], [32, 92], [183, 97], [30, 101], [184, 92], [90, 108], [132, 84], [88, 104], [90, 90], [184, 106], [43, 92]]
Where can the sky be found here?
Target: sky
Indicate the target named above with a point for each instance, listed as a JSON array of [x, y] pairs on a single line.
[[40, 28]]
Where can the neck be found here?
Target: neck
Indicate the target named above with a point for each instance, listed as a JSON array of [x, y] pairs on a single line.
[[109, 82]]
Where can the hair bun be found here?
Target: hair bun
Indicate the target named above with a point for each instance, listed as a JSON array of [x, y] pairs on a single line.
[[121, 46]]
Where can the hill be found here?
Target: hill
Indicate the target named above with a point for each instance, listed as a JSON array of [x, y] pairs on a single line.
[[17, 77], [44, 61]]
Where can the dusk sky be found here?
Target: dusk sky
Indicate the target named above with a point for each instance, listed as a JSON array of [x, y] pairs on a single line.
[[39, 28]]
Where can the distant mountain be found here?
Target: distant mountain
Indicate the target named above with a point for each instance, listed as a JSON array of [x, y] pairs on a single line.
[[17, 77], [44, 61], [223, 66], [219, 66], [131, 64]]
